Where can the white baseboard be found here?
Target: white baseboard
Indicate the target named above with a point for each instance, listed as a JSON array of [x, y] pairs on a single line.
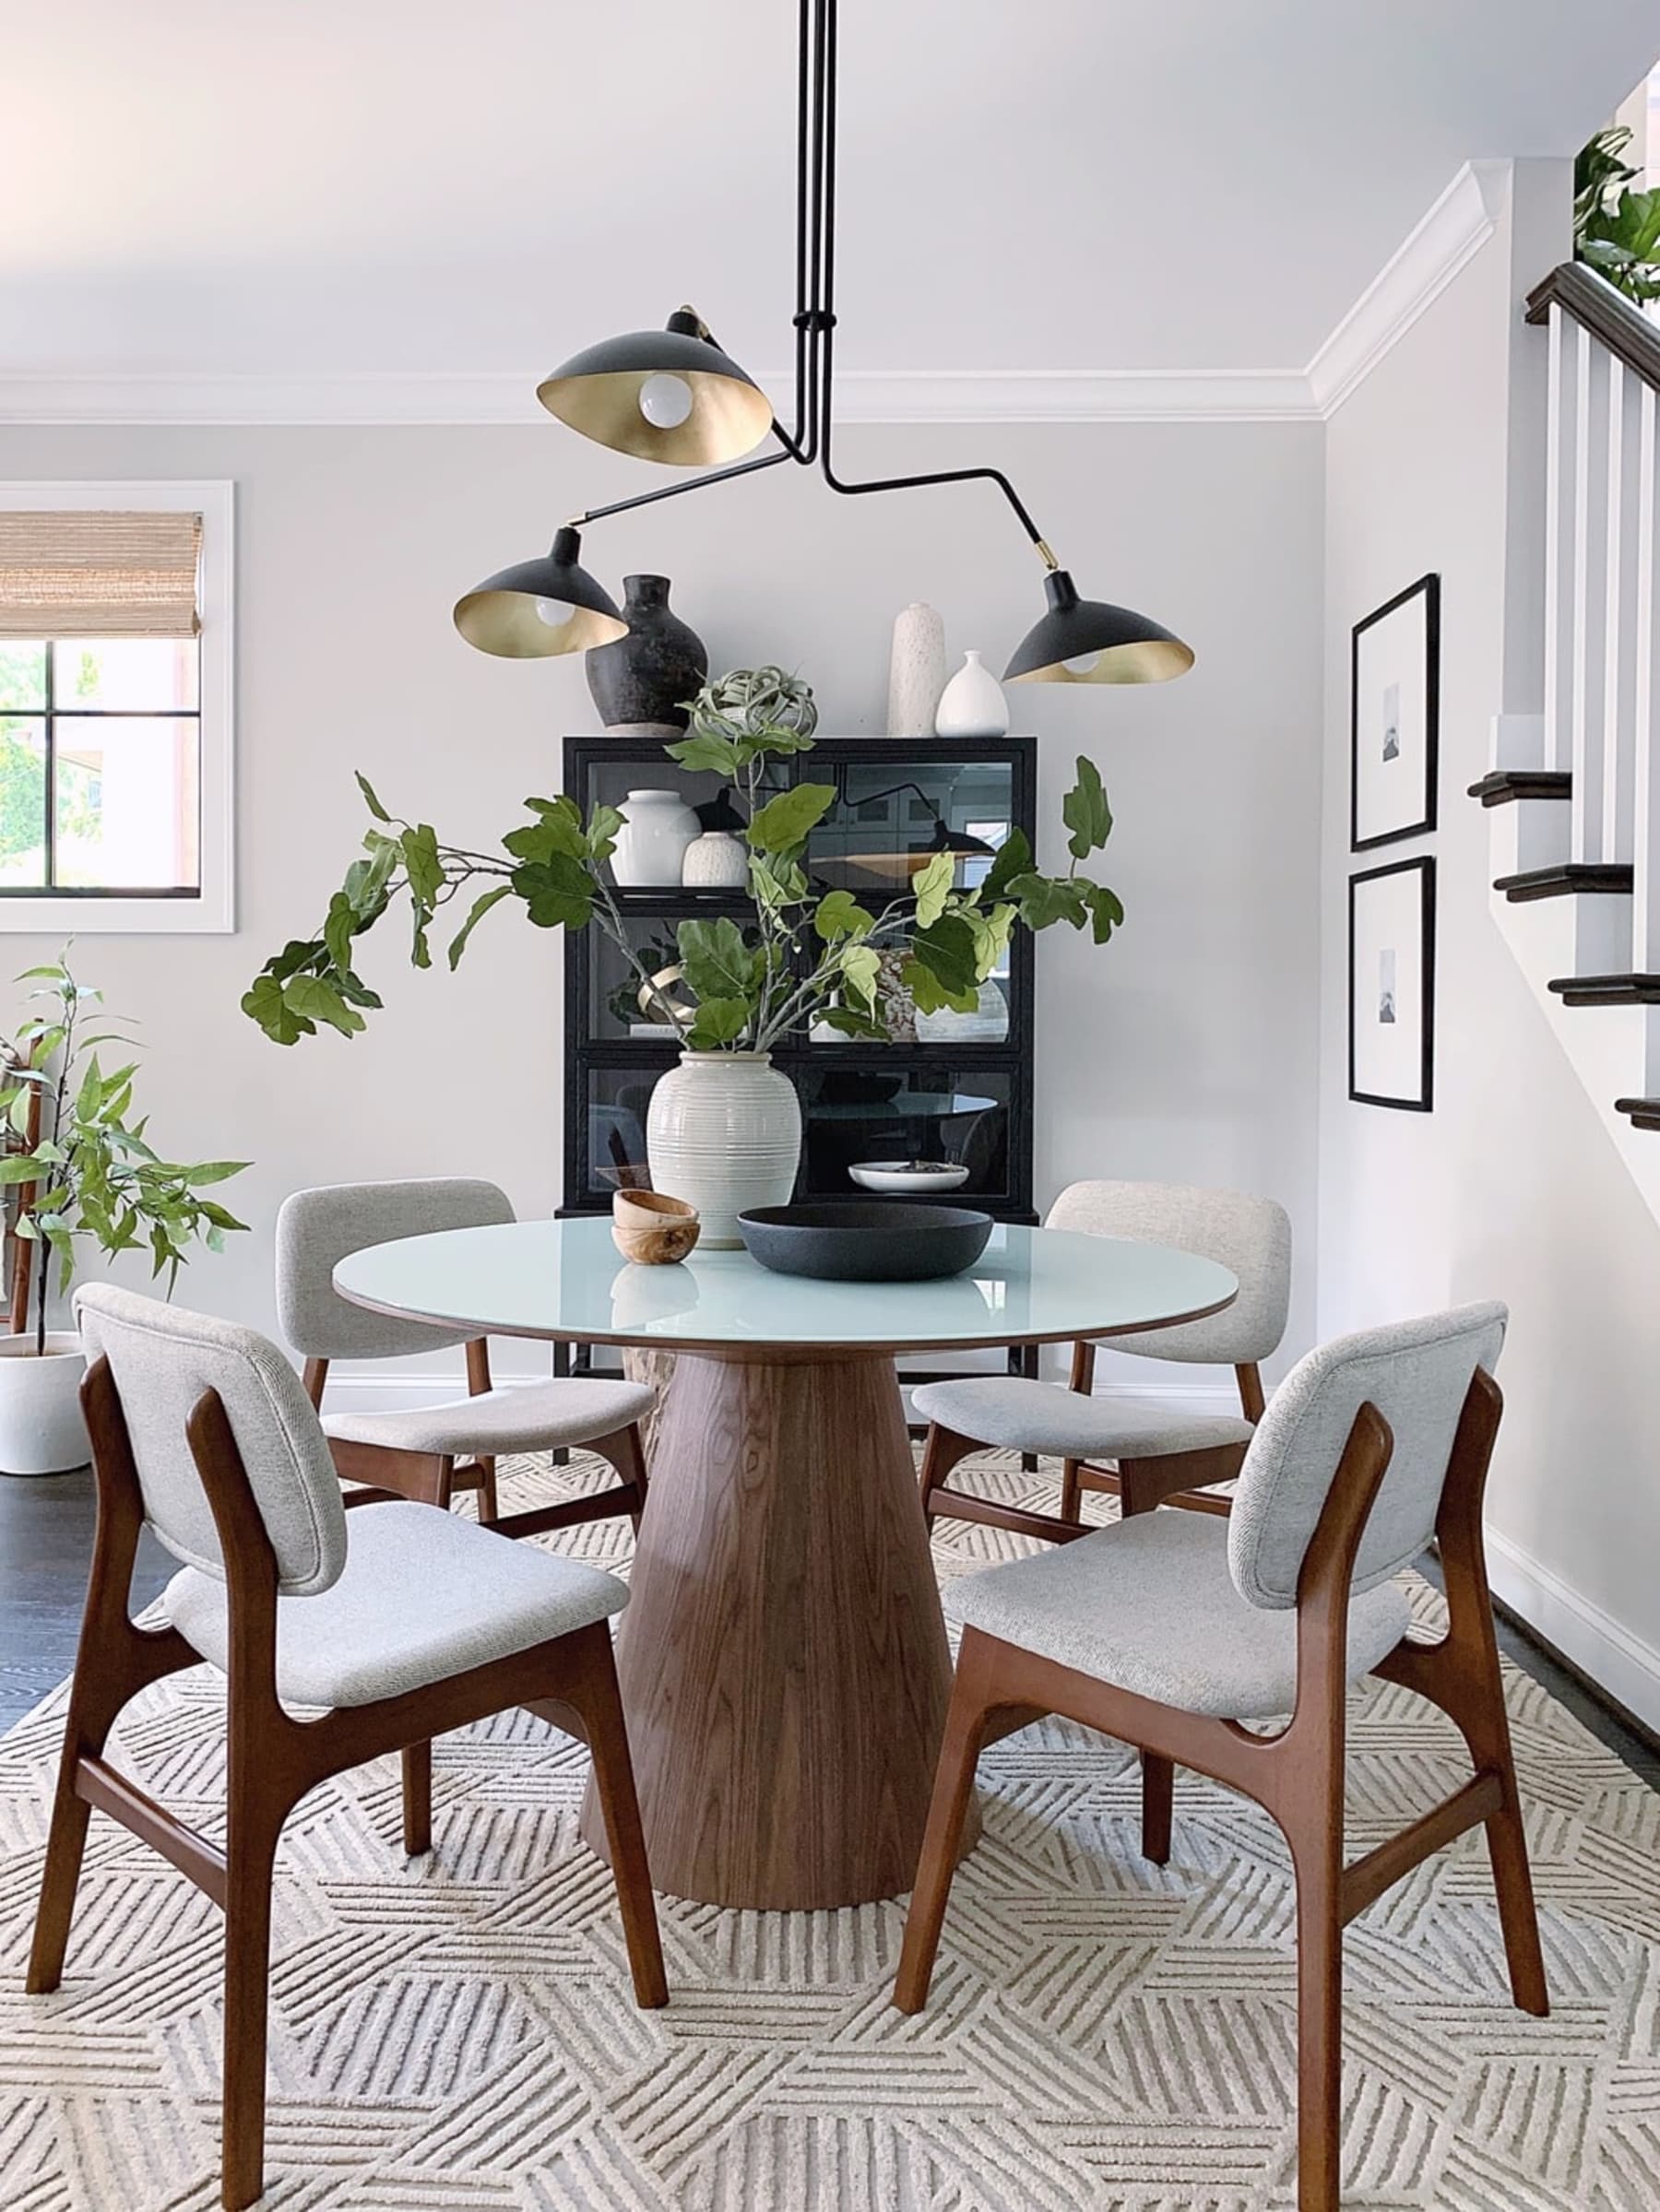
[[1607, 1654]]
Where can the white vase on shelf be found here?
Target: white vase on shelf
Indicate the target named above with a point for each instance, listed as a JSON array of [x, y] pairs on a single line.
[[717, 861], [972, 705], [657, 826], [723, 1131], [916, 671]]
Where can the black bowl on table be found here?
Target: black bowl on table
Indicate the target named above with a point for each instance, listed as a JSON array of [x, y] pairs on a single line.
[[887, 1241]]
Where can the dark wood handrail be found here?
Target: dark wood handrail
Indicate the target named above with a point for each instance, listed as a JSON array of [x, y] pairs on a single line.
[[1607, 315]]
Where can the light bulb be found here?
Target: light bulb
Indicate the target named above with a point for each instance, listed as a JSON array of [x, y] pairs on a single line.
[[1080, 664], [554, 612], [665, 401]]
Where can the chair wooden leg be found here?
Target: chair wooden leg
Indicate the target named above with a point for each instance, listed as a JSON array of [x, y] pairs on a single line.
[[249, 1870], [1157, 1794], [940, 1453], [1318, 1859], [488, 1503], [598, 1705], [417, 1798], [948, 1810], [1072, 1492]]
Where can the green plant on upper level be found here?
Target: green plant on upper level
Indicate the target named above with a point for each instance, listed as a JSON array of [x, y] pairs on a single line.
[[92, 1169], [1617, 230], [806, 956]]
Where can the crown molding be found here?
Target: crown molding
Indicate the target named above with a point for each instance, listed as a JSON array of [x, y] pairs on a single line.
[[1459, 224], [863, 396], [1455, 229]]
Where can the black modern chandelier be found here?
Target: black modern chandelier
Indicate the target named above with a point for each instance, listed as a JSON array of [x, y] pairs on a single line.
[[673, 396]]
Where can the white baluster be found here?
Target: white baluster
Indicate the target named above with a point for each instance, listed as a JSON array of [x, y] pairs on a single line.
[[1619, 658], [1645, 695], [1561, 387], [1592, 368]]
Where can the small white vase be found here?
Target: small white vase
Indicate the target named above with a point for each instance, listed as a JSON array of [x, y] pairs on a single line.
[[657, 826], [716, 861], [723, 1132], [972, 705], [916, 671], [42, 1431]]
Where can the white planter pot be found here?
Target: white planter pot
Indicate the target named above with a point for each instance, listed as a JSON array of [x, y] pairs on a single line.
[[972, 705], [657, 826], [42, 1431], [723, 1132]]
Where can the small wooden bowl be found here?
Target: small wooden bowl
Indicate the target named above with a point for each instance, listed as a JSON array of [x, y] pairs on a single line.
[[651, 1229]]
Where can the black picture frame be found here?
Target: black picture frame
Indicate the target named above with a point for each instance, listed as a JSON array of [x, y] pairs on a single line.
[[1428, 588], [1420, 1099]]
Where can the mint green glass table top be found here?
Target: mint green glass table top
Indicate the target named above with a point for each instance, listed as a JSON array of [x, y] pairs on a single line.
[[565, 1279]]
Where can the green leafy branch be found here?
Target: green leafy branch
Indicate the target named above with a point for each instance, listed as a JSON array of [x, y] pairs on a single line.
[[1617, 230], [805, 956]]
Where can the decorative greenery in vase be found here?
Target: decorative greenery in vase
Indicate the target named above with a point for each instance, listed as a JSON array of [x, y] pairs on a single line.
[[807, 957], [93, 1170], [1616, 229]]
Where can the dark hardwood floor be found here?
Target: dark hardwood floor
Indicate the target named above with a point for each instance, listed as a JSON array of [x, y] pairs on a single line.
[[46, 1543]]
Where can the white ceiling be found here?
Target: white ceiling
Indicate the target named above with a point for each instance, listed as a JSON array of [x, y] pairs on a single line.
[[329, 186]]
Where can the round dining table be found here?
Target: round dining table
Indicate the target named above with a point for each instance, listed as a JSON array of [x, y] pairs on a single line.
[[783, 1659]]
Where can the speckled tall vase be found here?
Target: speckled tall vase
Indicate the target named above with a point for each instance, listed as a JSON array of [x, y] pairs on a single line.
[[641, 682], [724, 1132], [916, 671]]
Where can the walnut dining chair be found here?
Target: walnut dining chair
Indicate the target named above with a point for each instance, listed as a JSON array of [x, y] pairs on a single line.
[[1182, 1634], [1158, 1456], [201, 1430], [428, 1452]]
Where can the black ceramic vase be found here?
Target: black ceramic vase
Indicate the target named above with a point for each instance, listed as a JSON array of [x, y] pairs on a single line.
[[641, 682]]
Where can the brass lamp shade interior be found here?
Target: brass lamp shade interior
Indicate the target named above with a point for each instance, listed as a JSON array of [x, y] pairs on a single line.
[[599, 393], [540, 608], [1089, 641]]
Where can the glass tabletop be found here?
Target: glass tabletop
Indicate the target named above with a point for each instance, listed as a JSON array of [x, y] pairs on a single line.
[[565, 1279]]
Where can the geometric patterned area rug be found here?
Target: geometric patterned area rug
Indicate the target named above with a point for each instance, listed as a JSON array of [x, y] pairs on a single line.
[[457, 2032]]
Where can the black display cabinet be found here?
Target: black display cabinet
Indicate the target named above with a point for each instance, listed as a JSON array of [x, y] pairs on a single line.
[[951, 1086]]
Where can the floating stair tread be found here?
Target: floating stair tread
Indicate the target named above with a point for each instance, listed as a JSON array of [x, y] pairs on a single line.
[[1505, 785], [1567, 879], [1607, 991]]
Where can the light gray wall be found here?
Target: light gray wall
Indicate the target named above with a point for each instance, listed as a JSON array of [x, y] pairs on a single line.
[[1187, 1050], [1510, 1187]]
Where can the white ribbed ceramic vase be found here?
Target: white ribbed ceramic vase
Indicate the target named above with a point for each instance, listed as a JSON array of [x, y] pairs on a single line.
[[916, 671], [42, 1431], [723, 1132], [972, 705], [716, 861]]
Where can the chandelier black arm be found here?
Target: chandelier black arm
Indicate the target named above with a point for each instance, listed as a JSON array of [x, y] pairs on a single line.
[[824, 150]]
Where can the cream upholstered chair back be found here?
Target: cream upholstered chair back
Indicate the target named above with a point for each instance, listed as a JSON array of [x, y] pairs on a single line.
[[1417, 1375], [163, 1360], [316, 1229], [1250, 1236]]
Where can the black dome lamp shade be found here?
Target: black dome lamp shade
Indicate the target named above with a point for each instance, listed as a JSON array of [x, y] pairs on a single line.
[[668, 395], [1089, 641], [539, 608]]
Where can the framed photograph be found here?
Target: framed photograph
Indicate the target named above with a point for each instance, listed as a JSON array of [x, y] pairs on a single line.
[[1394, 708], [1392, 985]]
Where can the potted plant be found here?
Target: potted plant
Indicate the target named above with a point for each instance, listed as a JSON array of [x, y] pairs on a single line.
[[84, 1168], [724, 1128]]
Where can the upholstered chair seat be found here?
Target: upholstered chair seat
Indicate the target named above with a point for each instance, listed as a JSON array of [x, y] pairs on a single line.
[[537, 1416], [1149, 1606], [1012, 1413], [420, 1597]]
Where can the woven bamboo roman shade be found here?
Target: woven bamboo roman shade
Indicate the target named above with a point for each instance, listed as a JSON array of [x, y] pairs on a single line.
[[94, 574]]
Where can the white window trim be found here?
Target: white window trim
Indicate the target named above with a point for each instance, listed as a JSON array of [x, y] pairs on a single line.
[[214, 912]]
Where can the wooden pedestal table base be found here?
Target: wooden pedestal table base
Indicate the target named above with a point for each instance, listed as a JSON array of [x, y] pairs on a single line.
[[783, 1659]]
